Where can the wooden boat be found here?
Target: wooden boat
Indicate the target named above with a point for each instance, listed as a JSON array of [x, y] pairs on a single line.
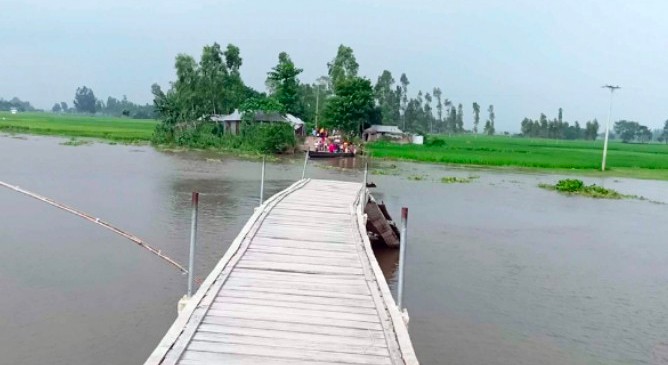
[[318, 154]]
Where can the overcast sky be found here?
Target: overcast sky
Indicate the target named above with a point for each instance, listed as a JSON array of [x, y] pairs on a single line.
[[525, 57]]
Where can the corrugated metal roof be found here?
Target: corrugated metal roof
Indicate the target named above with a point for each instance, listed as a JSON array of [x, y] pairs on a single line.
[[384, 129], [260, 116]]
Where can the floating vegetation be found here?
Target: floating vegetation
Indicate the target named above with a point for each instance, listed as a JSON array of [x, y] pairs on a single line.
[[75, 142], [578, 187], [383, 172], [455, 179], [417, 177]]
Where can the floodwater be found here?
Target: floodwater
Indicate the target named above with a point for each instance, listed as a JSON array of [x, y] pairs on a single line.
[[498, 270]]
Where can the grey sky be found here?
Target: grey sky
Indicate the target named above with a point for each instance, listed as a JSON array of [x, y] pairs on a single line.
[[525, 57]]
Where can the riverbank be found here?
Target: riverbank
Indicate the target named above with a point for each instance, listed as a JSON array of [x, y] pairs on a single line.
[[74, 125], [642, 161]]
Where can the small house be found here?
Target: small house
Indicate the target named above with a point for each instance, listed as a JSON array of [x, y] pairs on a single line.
[[376, 132], [231, 123]]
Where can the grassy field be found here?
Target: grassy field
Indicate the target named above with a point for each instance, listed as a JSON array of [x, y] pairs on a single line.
[[72, 125], [649, 161]]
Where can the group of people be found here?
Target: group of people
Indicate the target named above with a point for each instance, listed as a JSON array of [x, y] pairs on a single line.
[[332, 144]]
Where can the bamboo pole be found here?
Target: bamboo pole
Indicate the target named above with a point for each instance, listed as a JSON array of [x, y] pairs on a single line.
[[98, 221]]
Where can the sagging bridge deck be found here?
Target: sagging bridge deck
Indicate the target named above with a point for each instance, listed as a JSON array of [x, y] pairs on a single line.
[[299, 285]]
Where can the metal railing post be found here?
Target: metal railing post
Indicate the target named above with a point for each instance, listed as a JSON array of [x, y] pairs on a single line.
[[305, 162], [193, 239], [366, 172], [262, 183], [402, 257]]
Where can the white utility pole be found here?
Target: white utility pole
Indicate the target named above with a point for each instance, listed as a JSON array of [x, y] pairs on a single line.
[[607, 126]]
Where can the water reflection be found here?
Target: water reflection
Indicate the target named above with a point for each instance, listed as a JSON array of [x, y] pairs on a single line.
[[498, 271]]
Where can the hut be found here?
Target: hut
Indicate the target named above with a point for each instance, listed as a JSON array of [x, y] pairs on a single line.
[[376, 132], [231, 123]]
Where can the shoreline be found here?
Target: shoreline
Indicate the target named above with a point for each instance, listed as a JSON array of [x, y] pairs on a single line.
[[104, 137]]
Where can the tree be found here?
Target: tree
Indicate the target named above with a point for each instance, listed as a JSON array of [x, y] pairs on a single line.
[[212, 73], [448, 123], [56, 108], [428, 115], [233, 58], [627, 130], [460, 118], [344, 66], [439, 106], [284, 86], [64, 107], [476, 117], [404, 95], [452, 120], [84, 100], [664, 135], [385, 96], [351, 106], [644, 134], [560, 118], [489, 125]]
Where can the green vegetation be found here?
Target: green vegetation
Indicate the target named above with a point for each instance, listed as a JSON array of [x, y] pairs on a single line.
[[76, 142], [417, 177], [455, 179], [581, 157], [73, 125], [577, 187]]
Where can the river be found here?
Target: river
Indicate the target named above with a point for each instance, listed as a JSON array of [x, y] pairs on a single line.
[[499, 271]]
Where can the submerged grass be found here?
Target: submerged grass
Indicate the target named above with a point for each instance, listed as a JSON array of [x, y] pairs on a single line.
[[75, 142], [649, 161], [73, 125], [578, 187], [455, 179]]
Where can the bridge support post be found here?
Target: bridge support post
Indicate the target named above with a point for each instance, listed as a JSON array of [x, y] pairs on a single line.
[[193, 239], [305, 162], [262, 183], [402, 257]]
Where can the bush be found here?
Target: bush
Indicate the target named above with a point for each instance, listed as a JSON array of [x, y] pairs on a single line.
[[569, 185], [577, 187], [264, 138], [434, 142]]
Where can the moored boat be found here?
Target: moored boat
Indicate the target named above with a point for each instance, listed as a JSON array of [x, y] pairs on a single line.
[[319, 154]]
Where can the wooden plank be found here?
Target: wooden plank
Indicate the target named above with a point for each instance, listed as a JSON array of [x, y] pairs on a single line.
[[313, 244], [278, 250], [275, 352], [306, 268], [255, 283], [290, 297], [208, 358], [301, 292], [290, 277], [293, 304], [294, 318], [363, 343], [293, 327], [294, 276], [278, 312], [306, 343], [310, 260], [298, 232]]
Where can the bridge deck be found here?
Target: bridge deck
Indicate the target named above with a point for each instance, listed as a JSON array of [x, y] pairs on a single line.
[[299, 285]]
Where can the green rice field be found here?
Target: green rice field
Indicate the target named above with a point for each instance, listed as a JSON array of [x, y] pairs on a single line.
[[73, 125], [649, 160]]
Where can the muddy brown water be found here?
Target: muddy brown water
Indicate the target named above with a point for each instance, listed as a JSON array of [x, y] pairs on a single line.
[[498, 270]]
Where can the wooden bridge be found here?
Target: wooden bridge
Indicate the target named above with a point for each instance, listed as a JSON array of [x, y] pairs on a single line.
[[299, 285]]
